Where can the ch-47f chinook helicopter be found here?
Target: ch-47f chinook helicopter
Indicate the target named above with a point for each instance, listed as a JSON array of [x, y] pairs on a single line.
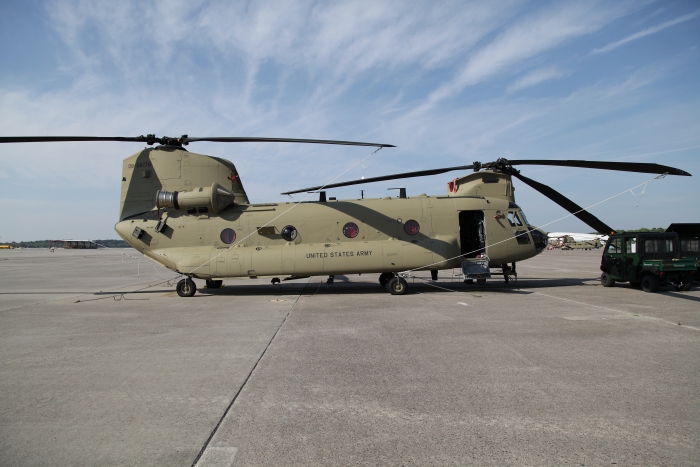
[[190, 213]]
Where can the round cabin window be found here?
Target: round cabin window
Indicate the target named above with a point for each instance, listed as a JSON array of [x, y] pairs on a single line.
[[411, 227], [228, 236], [289, 233], [351, 230]]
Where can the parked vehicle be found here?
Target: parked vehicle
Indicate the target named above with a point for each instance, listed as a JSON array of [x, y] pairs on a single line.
[[648, 260]]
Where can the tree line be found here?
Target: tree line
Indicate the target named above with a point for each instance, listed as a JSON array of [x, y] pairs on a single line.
[[47, 244]]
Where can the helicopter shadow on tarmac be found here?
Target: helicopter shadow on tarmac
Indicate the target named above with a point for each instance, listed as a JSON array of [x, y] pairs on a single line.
[[418, 286]]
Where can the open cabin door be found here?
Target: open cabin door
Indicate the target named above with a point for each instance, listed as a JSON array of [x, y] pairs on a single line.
[[472, 235]]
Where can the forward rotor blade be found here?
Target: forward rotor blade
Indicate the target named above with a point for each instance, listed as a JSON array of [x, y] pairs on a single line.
[[52, 139], [588, 218], [420, 173], [285, 140], [640, 167]]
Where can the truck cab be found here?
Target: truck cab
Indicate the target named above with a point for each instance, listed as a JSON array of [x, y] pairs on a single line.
[[647, 259]]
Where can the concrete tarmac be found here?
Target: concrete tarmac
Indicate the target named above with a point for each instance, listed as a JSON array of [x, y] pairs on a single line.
[[101, 363]]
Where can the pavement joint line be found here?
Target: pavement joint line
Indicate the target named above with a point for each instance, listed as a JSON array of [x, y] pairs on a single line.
[[203, 452], [643, 318]]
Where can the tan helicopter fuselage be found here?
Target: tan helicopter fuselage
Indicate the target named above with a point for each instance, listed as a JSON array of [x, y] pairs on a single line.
[[332, 237]]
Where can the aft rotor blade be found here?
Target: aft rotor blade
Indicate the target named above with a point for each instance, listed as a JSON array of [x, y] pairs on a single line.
[[52, 139], [420, 173], [640, 167], [588, 218], [152, 139], [284, 140]]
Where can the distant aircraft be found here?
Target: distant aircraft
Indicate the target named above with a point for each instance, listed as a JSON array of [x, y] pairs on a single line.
[[579, 237]]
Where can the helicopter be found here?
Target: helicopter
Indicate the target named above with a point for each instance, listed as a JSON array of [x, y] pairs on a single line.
[[190, 213]]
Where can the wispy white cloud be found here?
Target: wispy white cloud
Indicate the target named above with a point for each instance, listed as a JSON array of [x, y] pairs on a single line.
[[336, 70], [536, 77], [529, 36], [647, 32]]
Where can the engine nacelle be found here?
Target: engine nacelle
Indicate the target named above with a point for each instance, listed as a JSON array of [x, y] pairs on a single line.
[[215, 198]]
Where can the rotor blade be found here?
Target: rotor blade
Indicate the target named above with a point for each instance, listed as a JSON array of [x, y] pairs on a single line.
[[588, 218], [152, 139], [284, 140], [420, 173], [640, 167], [51, 139]]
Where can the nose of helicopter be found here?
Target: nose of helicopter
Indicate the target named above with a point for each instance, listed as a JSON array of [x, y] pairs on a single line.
[[539, 238]]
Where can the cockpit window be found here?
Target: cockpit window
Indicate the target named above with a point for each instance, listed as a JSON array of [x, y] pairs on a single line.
[[522, 237], [522, 214], [513, 219]]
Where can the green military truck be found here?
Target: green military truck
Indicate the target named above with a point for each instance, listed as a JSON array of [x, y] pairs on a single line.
[[647, 259]]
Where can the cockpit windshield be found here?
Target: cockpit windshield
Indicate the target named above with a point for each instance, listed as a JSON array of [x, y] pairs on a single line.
[[513, 219], [522, 213]]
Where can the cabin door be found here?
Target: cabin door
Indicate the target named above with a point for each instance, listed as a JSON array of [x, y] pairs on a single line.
[[472, 234]]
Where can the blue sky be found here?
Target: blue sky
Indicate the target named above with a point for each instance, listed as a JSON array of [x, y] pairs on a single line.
[[448, 83]]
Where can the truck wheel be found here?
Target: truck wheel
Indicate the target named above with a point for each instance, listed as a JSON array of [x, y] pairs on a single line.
[[687, 283], [650, 283], [606, 280], [397, 286], [186, 288]]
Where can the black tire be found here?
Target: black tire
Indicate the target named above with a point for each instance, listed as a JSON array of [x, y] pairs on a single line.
[[385, 277], [687, 282], [397, 286], [606, 280], [481, 281], [186, 288], [650, 283], [211, 284]]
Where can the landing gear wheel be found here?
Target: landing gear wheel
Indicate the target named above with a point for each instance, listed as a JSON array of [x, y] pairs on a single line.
[[186, 288], [397, 286], [606, 280], [481, 281], [275, 280], [214, 284], [385, 277], [650, 283]]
